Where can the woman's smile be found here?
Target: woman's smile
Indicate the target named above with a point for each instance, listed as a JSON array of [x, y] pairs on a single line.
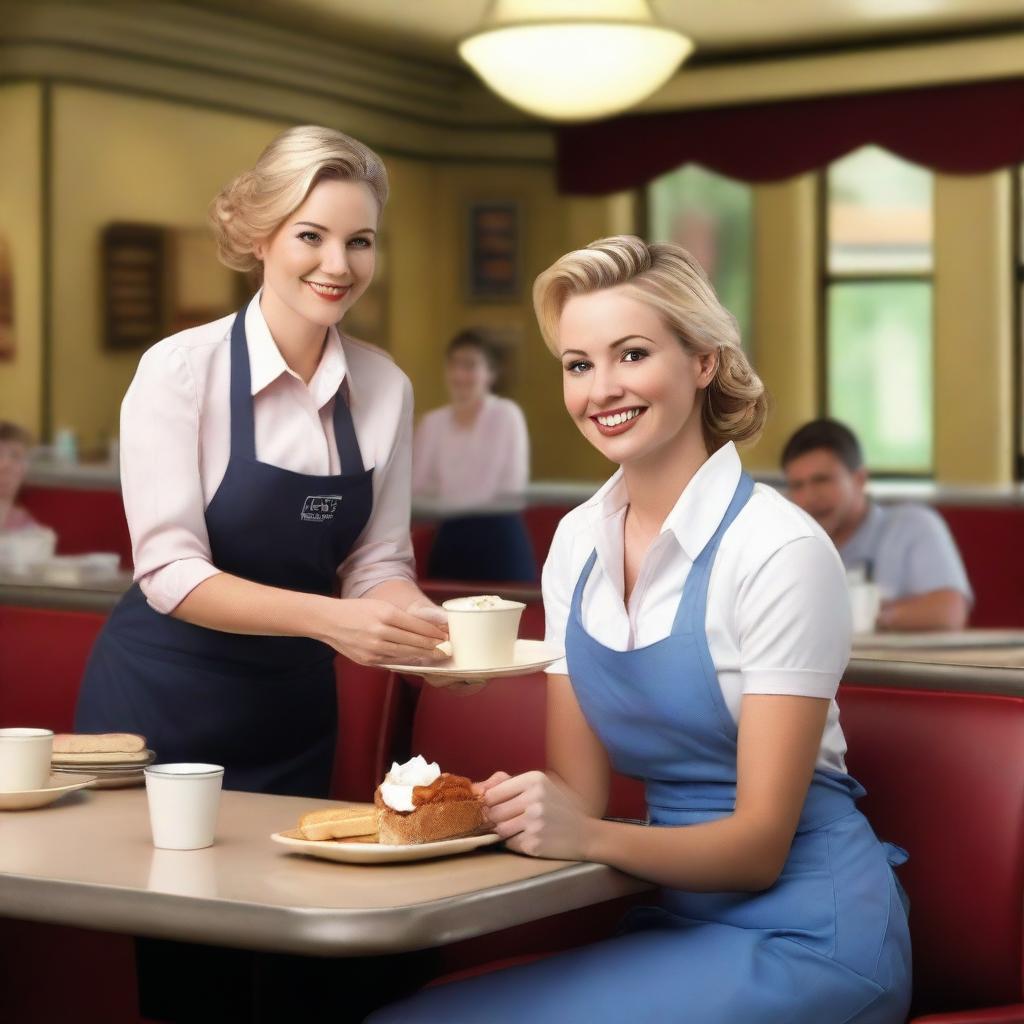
[[330, 292], [618, 421]]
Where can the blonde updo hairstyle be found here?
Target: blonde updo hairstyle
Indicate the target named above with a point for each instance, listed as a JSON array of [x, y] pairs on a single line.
[[252, 207], [667, 278]]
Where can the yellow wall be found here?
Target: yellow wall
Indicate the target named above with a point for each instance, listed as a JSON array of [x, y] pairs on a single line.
[[785, 311], [973, 314], [122, 158], [426, 226], [21, 226]]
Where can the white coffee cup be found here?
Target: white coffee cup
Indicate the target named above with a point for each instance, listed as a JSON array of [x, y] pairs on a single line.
[[25, 756], [865, 603], [483, 630], [183, 804]]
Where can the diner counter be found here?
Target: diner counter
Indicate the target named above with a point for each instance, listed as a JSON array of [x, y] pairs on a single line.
[[570, 493], [980, 660], [34, 590], [88, 861]]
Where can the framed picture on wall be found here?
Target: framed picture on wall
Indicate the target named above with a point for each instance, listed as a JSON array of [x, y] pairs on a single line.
[[134, 284], [493, 251]]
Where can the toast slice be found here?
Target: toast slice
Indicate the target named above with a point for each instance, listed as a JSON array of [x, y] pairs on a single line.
[[338, 823]]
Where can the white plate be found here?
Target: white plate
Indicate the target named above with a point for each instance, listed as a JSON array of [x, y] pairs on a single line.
[[53, 790], [528, 656], [375, 853]]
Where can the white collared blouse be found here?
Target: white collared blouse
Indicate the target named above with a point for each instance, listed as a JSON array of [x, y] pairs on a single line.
[[778, 614], [176, 441]]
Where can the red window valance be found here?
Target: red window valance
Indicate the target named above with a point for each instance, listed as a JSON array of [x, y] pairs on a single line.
[[957, 129]]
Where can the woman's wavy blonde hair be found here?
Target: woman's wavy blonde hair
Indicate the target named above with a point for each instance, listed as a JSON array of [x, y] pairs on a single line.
[[670, 280], [251, 207]]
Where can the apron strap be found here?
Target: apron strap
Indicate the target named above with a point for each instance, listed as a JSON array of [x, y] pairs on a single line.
[[345, 435], [243, 425], [695, 589], [576, 607]]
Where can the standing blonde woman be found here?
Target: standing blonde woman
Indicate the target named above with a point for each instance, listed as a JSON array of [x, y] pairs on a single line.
[[265, 465], [706, 627]]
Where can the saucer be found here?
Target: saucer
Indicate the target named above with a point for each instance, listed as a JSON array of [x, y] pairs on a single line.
[[369, 852], [53, 790], [527, 656]]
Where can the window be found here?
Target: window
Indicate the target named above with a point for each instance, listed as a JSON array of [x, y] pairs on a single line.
[[712, 217], [878, 303]]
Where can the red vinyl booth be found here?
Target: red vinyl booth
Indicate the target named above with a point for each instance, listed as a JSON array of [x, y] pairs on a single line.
[[85, 520], [945, 779], [944, 774]]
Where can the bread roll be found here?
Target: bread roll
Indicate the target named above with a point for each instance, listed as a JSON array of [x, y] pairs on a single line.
[[446, 809], [98, 743], [338, 823]]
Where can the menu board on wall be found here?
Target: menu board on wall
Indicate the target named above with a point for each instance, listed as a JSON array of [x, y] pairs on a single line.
[[493, 251], [134, 275]]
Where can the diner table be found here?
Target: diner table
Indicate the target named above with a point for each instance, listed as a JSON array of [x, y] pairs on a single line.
[[981, 660], [88, 861]]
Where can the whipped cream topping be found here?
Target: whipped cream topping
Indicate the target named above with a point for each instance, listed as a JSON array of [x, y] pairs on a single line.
[[396, 789], [483, 603]]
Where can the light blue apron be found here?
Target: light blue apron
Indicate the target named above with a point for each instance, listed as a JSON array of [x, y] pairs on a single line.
[[827, 944]]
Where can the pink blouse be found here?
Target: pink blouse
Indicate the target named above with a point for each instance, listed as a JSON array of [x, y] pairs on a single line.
[[176, 440], [471, 466]]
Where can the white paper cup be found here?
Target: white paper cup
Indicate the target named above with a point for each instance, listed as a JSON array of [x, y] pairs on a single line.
[[482, 637], [865, 603], [183, 803], [25, 756]]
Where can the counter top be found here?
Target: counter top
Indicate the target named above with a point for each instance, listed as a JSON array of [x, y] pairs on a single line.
[[88, 861]]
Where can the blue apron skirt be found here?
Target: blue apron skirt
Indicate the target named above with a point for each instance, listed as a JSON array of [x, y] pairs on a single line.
[[828, 943], [265, 707]]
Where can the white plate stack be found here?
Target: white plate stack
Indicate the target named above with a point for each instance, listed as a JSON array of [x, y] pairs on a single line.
[[116, 759]]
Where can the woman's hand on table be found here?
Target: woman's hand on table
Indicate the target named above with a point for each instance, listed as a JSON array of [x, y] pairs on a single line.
[[373, 632], [536, 814]]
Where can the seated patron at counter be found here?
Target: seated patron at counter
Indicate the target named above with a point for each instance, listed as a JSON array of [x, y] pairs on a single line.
[[15, 444], [907, 549]]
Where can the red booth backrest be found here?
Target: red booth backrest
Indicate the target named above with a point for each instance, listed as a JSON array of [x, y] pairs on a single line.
[[42, 657], [84, 520], [945, 779], [501, 728], [989, 540]]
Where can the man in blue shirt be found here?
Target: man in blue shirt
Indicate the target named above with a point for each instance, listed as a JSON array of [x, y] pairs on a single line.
[[906, 549]]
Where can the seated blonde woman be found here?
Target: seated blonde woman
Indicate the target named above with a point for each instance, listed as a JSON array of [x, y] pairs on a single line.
[[706, 626]]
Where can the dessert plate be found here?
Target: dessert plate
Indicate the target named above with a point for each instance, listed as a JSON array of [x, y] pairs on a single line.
[[57, 787], [368, 851], [527, 656]]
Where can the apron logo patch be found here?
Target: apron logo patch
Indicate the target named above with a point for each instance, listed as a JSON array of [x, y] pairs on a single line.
[[318, 508]]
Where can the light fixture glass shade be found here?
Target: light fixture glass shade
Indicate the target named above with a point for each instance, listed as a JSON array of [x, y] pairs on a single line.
[[575, 71]]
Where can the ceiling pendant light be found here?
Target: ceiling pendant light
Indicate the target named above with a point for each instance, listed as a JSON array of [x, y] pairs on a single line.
[[573, 60]]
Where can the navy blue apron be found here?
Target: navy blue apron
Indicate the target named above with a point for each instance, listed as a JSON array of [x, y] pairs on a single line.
[[265, 707], [483, 547]]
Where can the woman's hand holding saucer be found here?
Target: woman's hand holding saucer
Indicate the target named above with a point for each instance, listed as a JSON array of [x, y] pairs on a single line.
[[373, 632], [535, 815]]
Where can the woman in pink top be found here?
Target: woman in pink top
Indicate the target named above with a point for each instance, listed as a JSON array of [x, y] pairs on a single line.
[[15, 442], [265, 464], [473, 457]]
